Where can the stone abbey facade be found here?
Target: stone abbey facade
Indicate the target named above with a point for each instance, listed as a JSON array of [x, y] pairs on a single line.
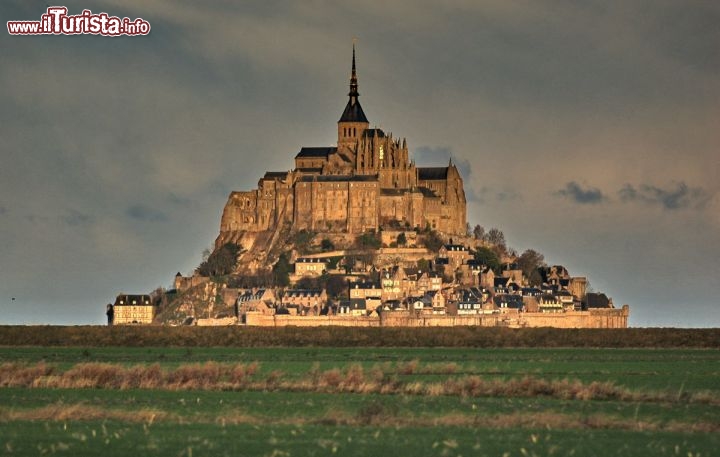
[[365, 182]]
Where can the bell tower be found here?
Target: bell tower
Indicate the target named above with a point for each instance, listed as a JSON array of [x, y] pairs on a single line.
[[352, 123]]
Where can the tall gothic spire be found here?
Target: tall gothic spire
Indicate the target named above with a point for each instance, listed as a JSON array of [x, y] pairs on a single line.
[[353, 111], [353, 81]]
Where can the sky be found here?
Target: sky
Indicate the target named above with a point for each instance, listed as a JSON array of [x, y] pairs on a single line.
[[588, 131]]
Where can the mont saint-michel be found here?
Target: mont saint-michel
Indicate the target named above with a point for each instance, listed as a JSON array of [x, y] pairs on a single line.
[[358, 234]]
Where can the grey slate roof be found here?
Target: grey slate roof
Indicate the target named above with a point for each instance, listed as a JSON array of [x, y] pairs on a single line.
[[597, 300], [393, 192], [427, 192], [512, 301], [315, 152], [275, 175], [130, 300], [370, 133], [353, 112], [339, 178], [432, 173]]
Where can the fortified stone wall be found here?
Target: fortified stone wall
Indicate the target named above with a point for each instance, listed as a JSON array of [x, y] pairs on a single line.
[[283, 320], [600, 318]]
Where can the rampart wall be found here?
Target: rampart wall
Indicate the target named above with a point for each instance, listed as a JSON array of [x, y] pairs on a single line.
[[596, 318]]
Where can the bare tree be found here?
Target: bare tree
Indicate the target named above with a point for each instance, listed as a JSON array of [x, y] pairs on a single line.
[[495, 236], [479, 232]]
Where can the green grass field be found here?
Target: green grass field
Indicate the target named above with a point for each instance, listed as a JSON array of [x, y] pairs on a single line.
[[361, 401]]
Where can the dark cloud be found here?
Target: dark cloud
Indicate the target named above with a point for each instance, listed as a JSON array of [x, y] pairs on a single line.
[[678, 196], [145, 213], [576, 193], [75, 218], [35, 219], [3, 210], [488, 194], [508, 195], [179, 201]]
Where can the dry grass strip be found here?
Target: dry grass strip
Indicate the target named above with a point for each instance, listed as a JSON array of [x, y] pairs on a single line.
[[378, 417], [381, 379]]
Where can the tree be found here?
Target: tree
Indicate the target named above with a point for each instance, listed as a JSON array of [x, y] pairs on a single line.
[[326, 245], [535, 278], [496, 237], [368, 240], [281, 270], [433, 241], [302, 240], [487, 256], [528, 262], [423, 265], [308, 283], [479, 232], [336, 286], [401, 239], [221, 262]]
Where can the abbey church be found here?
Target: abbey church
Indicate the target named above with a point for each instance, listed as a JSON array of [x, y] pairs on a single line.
[[365, 182]]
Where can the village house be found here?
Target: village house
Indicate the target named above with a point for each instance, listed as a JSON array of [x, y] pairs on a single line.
[[469, 302], [310, 267], [362, 290], [304, 301], [457, 254], [566, 299], [353, 307], [133, 309], [470, 273], [487, 277], [554, 274], [550, 304], [429, 280], [436, 301], [508, 303], [394, 283], [513, 272], [261, 300]]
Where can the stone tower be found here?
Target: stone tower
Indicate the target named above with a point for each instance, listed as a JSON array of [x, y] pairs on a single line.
[[352, 123]]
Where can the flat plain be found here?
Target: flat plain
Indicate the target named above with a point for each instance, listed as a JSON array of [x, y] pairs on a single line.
[[297, 401]]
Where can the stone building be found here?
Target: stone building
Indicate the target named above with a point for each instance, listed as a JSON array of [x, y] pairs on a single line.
[[365, 181], [133, 309]]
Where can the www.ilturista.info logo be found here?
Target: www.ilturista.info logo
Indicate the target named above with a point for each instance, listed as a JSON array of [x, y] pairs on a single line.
[[57, 22]]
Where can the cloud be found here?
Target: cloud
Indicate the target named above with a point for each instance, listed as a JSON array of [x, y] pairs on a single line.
[[179, 201], [490, 195], [678, 196], [144, 213], [34, 219], [3, 210], [588, 196], [75, 218]]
